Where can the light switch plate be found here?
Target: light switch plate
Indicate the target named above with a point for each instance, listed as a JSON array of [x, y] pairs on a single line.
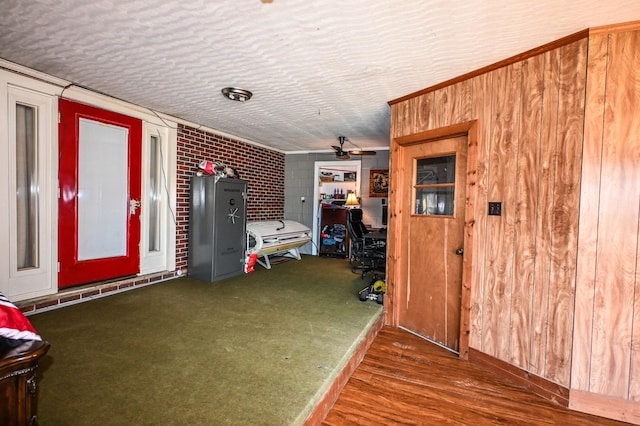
[[495, 208]]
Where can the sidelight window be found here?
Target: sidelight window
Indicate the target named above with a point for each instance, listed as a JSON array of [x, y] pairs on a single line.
[[27, 188], [154, 194]]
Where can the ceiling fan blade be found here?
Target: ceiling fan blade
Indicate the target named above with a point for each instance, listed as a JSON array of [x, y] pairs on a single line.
[[341, 154]]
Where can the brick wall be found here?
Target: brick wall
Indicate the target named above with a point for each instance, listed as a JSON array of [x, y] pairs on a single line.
[[262, 168]]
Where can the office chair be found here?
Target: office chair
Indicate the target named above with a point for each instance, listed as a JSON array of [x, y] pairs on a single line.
[[369, 256]]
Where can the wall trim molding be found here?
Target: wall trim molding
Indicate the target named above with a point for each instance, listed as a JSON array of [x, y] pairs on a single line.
[[545, 388], [615, 28], [84, 293], [605, 406], [505, 62], [330, 396]]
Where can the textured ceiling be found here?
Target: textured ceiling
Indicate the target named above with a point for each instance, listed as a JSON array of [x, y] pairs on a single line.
[[318, 69]]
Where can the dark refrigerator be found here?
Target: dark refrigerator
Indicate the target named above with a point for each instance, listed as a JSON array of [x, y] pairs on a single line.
[[217, 227]]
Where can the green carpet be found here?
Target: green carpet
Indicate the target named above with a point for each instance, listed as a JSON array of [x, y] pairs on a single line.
[[258, 349]]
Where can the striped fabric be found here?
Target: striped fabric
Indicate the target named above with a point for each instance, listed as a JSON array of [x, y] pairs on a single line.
[[13, 324]]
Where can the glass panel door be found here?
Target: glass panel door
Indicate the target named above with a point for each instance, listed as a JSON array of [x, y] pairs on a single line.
[[100, 186]]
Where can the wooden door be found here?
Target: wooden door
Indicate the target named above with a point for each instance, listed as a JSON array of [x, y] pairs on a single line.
[[99, 219], [433, 196]]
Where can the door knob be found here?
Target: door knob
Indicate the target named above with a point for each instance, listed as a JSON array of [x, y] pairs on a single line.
[[133, 206], [460, 252]]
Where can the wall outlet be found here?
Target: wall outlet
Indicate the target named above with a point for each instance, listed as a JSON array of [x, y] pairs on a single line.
[[302, 199]]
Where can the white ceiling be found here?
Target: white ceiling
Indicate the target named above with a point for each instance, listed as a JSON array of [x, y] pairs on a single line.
[[317, 69]]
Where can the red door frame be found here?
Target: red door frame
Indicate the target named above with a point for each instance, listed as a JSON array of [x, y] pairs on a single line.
[[71, 270]]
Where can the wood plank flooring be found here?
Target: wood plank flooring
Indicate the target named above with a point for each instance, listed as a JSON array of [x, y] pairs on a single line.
[[405, 380]]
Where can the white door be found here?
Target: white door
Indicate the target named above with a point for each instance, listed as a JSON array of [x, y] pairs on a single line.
[[28, 254], [158, 227]]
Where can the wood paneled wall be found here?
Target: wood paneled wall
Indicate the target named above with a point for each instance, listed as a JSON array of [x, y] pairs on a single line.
[[530, 116], [606, 352], [555, 283]]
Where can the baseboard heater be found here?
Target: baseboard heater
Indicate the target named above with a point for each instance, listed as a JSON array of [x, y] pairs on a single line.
[[276, 237]]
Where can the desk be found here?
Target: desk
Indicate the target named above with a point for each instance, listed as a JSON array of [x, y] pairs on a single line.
[[378, 239], [376, 235]]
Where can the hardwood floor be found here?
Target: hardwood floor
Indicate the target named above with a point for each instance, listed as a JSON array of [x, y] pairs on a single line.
[[405, 380]]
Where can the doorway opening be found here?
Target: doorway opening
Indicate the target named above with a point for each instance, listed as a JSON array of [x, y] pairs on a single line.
[[332, 178]]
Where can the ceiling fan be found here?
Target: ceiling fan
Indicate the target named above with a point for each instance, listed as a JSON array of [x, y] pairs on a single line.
[[341, 154]]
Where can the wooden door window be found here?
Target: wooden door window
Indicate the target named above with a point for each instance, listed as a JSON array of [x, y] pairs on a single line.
[[434, 188]]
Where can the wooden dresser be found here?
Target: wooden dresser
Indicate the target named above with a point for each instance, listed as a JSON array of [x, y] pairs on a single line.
[[18, 387], [334, 239]]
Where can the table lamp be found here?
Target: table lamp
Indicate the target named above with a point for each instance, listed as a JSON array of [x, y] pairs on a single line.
[[352, 201]]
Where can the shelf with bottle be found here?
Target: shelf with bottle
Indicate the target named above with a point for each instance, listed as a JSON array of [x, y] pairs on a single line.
[[336, 194], [331, 182]]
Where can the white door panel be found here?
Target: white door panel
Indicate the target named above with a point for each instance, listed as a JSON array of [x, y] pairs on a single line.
[[158, 228], [28, 183]]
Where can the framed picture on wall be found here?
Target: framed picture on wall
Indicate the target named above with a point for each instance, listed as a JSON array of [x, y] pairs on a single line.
[[350, 176], [378, 183]]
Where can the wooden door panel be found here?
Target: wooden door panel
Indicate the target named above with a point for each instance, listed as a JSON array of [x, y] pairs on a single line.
[[424, 296]]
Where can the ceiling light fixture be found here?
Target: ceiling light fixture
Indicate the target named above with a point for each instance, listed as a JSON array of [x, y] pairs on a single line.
[[235, 94]]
